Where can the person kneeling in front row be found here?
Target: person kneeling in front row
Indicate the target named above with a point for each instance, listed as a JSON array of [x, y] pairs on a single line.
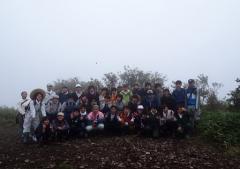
[[95, 120], [61, 127]]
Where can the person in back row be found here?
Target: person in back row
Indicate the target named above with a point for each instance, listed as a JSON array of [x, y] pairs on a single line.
[[179, 94], [133, 104], [150, 101], [168, 100], [192, 102], [158, 92], [127, 94], [119, 103], [78, 92], [102, 97], [143, 93], [49, 93], [136, 89], [106, 105], [92, 96], [114, 94], [68, 106], [63, 96]]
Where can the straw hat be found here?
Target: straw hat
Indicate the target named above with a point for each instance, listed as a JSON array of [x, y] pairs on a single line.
[[37, 91]]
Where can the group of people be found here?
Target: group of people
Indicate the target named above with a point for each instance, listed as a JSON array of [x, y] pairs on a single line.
[[149, 111]]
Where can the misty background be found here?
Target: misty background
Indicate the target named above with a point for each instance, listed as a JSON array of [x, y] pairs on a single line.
[[42, 41]]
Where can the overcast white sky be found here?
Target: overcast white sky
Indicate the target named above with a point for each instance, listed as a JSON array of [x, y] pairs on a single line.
[[41, 41]]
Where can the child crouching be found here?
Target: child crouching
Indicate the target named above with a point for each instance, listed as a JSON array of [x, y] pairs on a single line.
[[44, 131], [75, 124], [168, 122], [127, 120], [150, 123], [183, 122], [112, 121], [95, 120], [78, 122]]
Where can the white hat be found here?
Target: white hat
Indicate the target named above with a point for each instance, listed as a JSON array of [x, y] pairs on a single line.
[[60, 114], [140, 107], [78, 85]]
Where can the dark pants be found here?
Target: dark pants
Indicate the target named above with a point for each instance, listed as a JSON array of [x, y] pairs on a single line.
[[171, 128], [61, 135], [43, 138], [78, 131], [113, 127], [20, 121], [151, 128]]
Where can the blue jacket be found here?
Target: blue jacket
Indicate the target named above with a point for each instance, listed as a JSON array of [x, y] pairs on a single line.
[[150, 103], [179, 95], [191, 96]]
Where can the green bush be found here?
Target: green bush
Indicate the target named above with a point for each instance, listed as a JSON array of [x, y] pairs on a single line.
[[221, 127], [7, 115]]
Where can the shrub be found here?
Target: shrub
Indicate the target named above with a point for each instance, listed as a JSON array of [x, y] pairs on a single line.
[[7, 115], [221, 127]]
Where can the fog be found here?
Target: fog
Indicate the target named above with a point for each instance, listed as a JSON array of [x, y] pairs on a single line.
[[41, 41]]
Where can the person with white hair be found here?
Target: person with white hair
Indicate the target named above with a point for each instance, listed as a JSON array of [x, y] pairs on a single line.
[[49, 93], [21, 110]]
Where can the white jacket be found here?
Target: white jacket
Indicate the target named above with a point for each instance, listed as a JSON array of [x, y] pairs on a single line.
[[21, 106], [49, 96], [33, 110]]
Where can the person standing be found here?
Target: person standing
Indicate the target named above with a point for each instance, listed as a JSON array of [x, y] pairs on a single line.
[[63, 96], [34, 114], [179, 94], [49, 93], [127, 94], [78, 92], [21, 110], [192, 102]]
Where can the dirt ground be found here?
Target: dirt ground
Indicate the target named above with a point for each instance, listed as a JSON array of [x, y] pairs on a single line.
[[111, 152]]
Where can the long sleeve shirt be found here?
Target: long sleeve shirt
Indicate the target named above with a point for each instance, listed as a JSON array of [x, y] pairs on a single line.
[[34, 104], [21, 106], [95, 117]]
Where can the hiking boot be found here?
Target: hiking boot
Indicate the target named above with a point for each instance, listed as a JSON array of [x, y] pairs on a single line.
[[25, 138]]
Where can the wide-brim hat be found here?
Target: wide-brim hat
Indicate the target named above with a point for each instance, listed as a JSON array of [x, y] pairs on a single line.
[[37, 91]]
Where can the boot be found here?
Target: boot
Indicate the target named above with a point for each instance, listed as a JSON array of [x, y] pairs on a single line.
[[25, 138]]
